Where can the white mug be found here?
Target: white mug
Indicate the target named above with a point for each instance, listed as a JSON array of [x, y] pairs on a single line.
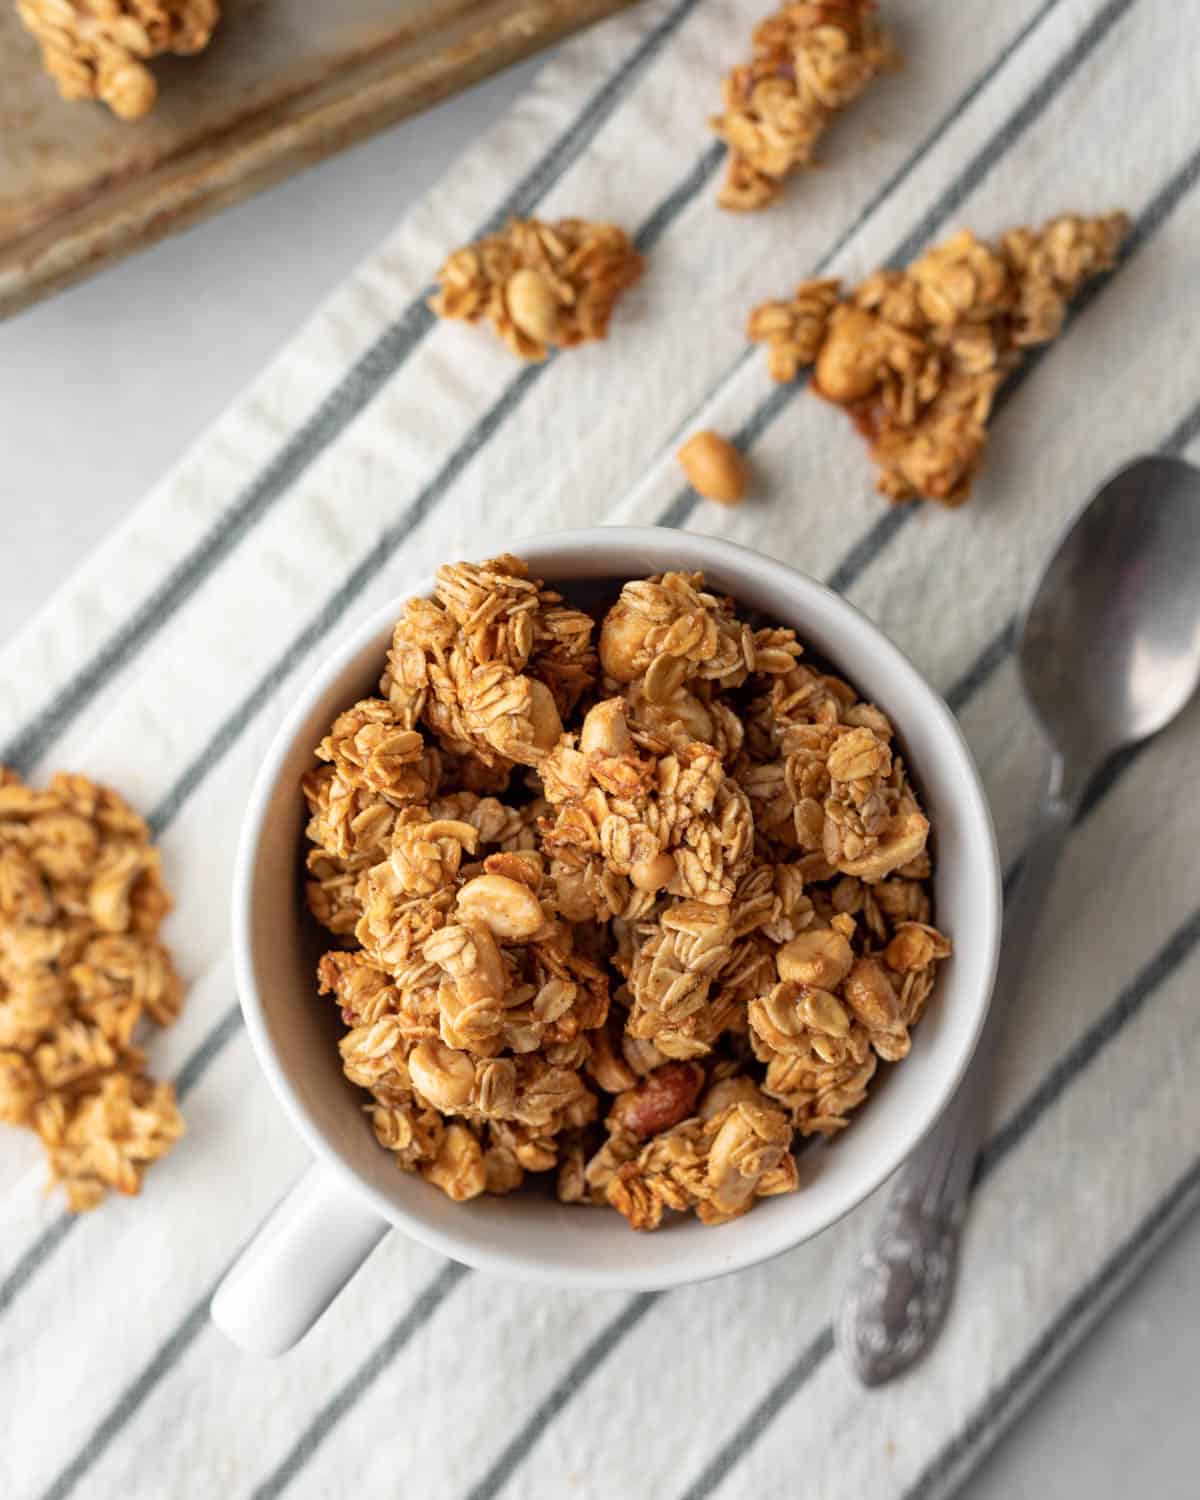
[[331, 1220]]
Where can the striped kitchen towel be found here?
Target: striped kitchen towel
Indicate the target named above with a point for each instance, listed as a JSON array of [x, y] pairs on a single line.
[[380, 443]]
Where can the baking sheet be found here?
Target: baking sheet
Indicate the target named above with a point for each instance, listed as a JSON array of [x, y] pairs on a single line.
[[282, 84]]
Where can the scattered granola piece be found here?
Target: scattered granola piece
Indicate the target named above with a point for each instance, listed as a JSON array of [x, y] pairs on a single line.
[[81, 901], [714, 468], [917, 356], [99, 50], [793, 331], [811, 60], [638, 913], [540, 284]]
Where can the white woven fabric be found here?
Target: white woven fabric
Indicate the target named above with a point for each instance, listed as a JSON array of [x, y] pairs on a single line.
[[378, 445]]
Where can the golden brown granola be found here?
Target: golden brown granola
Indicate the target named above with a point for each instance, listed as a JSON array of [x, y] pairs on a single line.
[[81, 902], [98, 49], [810, 61], [916, 356], [717, 1163], [640, 913], [540, 285]]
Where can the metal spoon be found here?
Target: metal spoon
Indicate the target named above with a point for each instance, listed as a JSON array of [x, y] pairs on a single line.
[[1109, 653]]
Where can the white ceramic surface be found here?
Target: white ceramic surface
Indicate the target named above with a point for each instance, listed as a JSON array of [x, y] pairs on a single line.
[[531, 1236]]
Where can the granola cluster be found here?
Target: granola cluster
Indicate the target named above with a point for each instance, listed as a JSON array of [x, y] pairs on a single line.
[[916, 356], [640, 906], [81, 902], [98, 49], [810, 61], [540, 284]]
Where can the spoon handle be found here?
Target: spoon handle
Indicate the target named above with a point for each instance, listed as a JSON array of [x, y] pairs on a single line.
[[897, 1297]]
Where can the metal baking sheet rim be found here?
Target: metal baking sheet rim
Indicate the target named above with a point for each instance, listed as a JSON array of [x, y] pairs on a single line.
[[76, 244]]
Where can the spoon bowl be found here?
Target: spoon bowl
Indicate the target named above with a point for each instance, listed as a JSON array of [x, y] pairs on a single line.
[[1110, 643]]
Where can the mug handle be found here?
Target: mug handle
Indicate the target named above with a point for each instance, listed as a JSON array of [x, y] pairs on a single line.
[[302, 1255]]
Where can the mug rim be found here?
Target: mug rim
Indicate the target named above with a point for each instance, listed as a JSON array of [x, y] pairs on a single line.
[[705, 551]]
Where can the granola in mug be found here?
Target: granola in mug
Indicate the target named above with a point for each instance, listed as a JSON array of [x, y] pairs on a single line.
[[639, 906]]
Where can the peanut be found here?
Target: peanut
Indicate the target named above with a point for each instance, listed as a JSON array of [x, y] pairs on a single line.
[[605, 731], [653, 874], [915, 946], [441, 1075], [871, 996], [714, 468], [607, 1066], [532, 304], [820, 956], [508, 908], [623, 643], [848, 364], [544, 715], [823, 1012]]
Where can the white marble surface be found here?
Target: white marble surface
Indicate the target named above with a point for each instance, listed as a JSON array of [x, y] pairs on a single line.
[[100, 390]]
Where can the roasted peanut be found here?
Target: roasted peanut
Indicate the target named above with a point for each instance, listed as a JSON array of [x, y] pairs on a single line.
[[607, 1066], [622, 643], [871, 996], [714, 468], [532, 304], [820, 956], [848, 363], [470, 957], [547, 725], [915, 946], [822, 1011], [442, 1076], [605, 731], [653, 874], [508, 908]]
